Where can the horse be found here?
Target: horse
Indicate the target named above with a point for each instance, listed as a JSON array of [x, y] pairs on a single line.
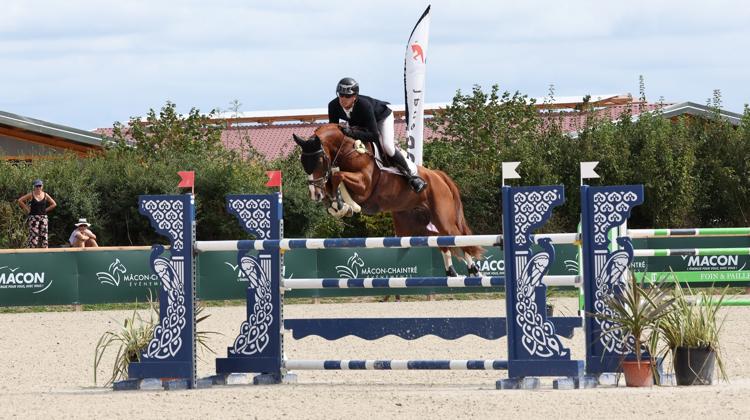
[[347, 178]]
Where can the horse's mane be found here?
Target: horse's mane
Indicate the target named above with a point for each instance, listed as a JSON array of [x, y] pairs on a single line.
[[326, 130]]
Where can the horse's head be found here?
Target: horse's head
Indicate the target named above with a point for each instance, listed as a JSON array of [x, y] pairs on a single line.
[[316, 158], [317, 165]]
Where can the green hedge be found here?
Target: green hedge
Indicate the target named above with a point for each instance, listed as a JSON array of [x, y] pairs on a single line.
[[696, 172]]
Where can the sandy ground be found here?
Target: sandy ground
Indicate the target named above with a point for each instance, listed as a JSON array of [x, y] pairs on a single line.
[[46, 371]]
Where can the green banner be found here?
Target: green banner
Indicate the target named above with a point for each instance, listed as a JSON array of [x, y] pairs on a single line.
[[107, 276], [45, 278], [687, 267], [115, 276]]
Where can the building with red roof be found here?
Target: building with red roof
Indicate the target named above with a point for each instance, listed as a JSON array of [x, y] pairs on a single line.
[[270, 132]]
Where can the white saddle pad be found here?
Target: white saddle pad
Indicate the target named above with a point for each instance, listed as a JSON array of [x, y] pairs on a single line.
[[391, 169]]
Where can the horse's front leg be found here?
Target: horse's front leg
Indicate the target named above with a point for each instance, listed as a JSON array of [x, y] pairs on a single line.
[[356, 183]]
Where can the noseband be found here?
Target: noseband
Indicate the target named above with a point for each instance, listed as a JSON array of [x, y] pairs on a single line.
[[320, 182]]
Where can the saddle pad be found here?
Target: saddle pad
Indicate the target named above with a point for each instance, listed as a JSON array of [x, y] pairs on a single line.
[[412, 166], [391, 169]]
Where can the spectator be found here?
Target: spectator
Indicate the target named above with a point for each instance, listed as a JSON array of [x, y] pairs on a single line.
[[39, 204], [82, 236]]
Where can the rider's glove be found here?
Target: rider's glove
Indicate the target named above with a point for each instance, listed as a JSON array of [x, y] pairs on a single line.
[[347, 131]]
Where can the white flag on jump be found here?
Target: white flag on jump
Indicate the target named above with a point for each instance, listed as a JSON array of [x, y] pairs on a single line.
[[587, 170], [509, 170], [414, 75]]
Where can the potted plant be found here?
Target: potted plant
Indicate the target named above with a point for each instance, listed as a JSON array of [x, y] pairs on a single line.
[[690, 332], [134, 335], [634, 311]]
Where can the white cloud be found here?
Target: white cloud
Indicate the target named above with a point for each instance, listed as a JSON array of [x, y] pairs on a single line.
[[88, 63]]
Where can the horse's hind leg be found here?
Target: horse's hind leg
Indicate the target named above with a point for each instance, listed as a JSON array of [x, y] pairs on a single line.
[[446, 217], [473, 267]]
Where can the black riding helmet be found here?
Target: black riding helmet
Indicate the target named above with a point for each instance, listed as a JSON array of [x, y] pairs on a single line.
[[347, 86]]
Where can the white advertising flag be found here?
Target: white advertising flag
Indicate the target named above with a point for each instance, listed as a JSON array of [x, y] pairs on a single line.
[[414, 75]]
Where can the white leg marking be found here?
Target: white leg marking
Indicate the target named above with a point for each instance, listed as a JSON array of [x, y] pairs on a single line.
[[447, 259]]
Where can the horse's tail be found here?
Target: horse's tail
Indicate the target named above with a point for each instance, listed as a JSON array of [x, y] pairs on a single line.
[[474, 251]]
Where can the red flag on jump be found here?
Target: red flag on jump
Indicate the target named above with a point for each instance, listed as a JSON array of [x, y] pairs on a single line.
[[187, 179], [274, 179]]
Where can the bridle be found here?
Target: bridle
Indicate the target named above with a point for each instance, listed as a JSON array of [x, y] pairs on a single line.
[[320, 183]]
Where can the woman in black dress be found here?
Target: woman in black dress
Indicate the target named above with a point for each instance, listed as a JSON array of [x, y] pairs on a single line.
[[39, 204]]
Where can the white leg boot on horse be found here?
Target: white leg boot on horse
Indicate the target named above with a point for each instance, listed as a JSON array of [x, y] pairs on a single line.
[[344, 206], [448, 262], [472, 266]]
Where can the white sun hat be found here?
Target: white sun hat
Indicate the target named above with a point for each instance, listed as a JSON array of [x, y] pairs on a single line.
[[82, 222]]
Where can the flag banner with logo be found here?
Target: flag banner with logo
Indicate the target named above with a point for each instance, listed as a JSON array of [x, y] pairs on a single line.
[[414, 77]]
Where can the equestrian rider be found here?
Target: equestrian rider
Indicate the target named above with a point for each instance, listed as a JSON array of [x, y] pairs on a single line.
[[368, 119]]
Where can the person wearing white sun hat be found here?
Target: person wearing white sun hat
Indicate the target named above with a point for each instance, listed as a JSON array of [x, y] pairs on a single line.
[[82, 236]]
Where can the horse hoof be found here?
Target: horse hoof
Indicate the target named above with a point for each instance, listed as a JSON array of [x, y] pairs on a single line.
[[474, 271], [451, 272], [338, 213]]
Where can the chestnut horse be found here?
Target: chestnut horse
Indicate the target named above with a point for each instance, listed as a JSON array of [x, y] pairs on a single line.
[[331, 160]]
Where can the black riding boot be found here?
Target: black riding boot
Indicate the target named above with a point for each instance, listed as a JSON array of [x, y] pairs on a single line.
[[415, 182]]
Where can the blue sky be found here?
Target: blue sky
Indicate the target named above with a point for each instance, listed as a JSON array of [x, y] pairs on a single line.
[[89, 63]]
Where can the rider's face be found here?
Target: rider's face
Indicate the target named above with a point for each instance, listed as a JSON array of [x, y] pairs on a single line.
[[347, 101]]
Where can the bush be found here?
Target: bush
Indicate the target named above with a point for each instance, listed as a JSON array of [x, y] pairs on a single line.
[[695, 171]]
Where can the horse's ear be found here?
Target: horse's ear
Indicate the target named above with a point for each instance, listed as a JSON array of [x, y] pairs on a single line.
[[299, 140]]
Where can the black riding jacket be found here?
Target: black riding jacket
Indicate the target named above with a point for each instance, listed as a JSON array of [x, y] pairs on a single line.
[[364, 118]]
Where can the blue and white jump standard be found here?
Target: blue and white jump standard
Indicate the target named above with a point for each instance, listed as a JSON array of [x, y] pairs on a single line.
[[171, 351], [534, 344], [605, 209]]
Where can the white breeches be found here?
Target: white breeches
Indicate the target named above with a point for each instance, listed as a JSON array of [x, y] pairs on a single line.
[[386, 135], [388, 144]]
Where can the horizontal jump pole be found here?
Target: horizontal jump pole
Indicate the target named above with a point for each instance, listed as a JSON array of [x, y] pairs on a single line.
[[727, 301], [662, 233], [667, 252], [396, 364], [417, 282], [382, 242]]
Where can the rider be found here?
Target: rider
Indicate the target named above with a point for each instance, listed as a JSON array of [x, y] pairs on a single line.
[[368, 119]]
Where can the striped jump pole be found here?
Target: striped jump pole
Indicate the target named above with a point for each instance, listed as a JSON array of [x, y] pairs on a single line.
[[382, 242], [727, 301], [704, 232], [396, 364], [668, 252], [418, 282]]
